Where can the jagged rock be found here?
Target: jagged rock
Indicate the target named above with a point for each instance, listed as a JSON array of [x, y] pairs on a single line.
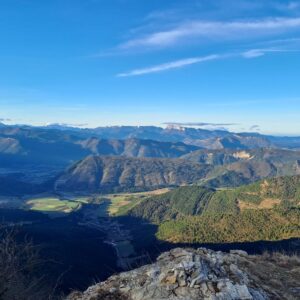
[[239, 252], [181, 274]]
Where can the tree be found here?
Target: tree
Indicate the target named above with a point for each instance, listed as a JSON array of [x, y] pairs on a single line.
[[20, 262]]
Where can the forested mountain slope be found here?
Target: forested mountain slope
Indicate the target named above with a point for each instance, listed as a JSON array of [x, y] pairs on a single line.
[[216, 169], [104, 173], [268, 209]]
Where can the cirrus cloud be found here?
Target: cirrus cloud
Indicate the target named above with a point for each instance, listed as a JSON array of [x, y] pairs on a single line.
[[252, 53], [170, 65], [199, 124], [217, 30]]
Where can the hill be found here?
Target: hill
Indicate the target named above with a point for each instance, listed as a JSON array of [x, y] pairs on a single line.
[[44, 152], [211, 169], [107, 174], [184, 201], [238, 167], [197, 200], [195, 214], [227, 156]]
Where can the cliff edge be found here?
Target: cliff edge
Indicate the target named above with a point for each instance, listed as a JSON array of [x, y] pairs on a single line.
[[188, 274]]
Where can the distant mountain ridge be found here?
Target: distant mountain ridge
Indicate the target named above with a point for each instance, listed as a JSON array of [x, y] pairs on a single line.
[[237, 167], [230, 160], [211, 139], [36, 145], [68, 144]]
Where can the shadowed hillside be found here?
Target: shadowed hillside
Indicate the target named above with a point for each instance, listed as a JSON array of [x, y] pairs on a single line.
[[102, 174]]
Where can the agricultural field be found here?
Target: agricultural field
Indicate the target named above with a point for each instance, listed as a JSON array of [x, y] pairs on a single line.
[[53, 204], [119, 204]]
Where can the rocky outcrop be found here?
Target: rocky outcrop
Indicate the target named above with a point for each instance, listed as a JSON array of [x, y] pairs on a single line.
[[183, 274]]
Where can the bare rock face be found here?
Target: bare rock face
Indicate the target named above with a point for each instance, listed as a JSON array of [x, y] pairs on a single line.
[[183, 274]]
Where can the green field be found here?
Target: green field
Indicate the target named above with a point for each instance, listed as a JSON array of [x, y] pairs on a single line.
[[53, 204], [119, 204]]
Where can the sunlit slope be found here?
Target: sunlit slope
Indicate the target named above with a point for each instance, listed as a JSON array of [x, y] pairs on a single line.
[[266, 210]]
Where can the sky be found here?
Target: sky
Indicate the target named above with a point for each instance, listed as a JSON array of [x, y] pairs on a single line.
[[231, 64]]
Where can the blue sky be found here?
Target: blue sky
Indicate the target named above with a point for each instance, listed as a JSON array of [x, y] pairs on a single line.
[[132, 62]]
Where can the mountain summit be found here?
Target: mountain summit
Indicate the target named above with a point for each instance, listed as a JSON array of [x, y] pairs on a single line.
[[186, 274]]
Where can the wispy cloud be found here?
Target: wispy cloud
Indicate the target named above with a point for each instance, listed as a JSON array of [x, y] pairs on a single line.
[[289, 6], [254, 128], [199, 124], [170, 65], [66, 125], [213, 30], [252, 53], [283, 42], [203, 125]]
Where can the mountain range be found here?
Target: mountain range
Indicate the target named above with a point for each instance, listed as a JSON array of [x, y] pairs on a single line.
[[63, 146], [214, 168], [211, 139], [175, 156]]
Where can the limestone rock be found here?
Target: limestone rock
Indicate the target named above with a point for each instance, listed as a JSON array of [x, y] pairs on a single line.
[[239, 252], [180, 274]]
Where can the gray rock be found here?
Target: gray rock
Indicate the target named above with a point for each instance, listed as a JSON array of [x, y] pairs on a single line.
[[181, 274], [239, 252]]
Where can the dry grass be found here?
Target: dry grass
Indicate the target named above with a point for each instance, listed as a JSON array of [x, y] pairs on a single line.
[[242, 155], [277, 273], [121, 201], [264, 186], [267, 203]]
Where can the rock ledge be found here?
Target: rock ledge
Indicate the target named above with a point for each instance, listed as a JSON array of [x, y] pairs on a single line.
[[183, 274]]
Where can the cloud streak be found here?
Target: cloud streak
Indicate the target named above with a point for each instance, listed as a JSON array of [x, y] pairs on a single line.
[[199, 124], [170, 65], [66, 124], [254, 128], [213, 30], [252, 53]]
